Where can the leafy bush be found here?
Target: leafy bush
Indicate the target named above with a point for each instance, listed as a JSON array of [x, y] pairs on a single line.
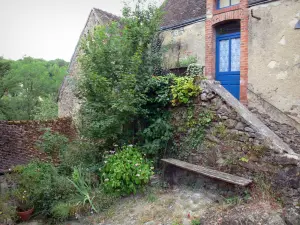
[[52, 143], [7, 211], [183, 89], [126, 172], [157, 137], [159, 92], [194, 70], [44, 185], [61, 211], [81, 153]]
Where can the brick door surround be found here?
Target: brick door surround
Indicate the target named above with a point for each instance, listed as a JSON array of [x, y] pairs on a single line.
[[216, 16]]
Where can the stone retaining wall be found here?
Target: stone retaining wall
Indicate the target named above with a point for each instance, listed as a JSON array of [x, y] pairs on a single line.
[[287, 133], [237, 142], [18, 138]]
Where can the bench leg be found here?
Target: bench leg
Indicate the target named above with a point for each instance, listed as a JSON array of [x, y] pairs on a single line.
[[169, 173]]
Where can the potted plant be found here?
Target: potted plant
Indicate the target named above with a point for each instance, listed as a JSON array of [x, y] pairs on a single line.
[[24, 204]]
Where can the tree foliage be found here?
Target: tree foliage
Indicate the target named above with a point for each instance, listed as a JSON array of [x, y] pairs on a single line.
[[28, 88], [118, 62]]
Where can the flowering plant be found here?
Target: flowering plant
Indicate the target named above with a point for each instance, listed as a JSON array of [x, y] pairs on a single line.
[[126, 171], [23, 200]]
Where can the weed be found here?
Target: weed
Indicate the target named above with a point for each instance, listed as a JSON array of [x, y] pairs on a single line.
[[151, 197], [220, 131], [234, 200], [244, 159], [195, 222]]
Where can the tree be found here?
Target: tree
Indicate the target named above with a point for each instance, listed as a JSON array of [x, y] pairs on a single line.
[[7, 84], [29, 86], [117, 63]]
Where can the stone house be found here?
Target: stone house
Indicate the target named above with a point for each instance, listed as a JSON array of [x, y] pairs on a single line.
[[250, 46], [68, 104]]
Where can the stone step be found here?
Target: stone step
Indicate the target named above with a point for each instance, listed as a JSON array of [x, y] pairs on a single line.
[[233, 179]]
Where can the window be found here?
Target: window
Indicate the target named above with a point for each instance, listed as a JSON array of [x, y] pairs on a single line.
[[227, 3]]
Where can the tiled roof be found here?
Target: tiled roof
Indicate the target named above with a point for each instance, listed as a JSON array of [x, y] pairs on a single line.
[[105, 16], [179, 11], [256, 2]]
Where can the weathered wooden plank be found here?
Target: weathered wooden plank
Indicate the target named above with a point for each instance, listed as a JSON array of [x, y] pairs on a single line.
[[233, 179]]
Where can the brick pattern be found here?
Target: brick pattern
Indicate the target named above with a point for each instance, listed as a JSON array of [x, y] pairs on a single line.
[[18, 138], [215, 17]]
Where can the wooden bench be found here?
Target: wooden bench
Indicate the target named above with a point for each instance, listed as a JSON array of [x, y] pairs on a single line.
[[209, 172]]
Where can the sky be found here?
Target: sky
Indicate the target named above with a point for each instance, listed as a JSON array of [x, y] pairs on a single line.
[[47, 29]]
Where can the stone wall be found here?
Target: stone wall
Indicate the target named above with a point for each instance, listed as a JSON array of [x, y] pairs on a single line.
[[232, 143], [68, 103], [18, 138], [274, 58], [182, 41], [289, 134]]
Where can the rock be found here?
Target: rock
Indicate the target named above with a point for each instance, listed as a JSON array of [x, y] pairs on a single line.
[[292, 217], [240, 126], [220, 162], [230, 123], [211, 96], [224, 110], [213, 139], [275, 220], [217, 102], [186, 221], [203, 97], [196, 198], [150, 223], [250, 130]]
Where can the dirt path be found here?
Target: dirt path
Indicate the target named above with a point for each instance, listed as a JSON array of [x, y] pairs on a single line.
[[184, 206]]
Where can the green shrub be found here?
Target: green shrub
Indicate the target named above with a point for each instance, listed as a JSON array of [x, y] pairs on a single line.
[[81, 153], [183, 89], [195, 222], [157, 137], [126, 172], [195, 70], [61, 211], [7, 210], [44, 185], [52, 143]]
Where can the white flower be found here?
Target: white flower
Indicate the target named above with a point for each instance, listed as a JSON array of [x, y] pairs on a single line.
[[151, 167], [105, 161], [130, 145], [138, 175], [115, 145], [106, 180], [137, 164]]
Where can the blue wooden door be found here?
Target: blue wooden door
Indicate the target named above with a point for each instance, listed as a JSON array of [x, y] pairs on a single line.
[[228, 62]]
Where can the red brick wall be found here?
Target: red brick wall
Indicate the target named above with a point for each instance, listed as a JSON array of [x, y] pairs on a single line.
[[214, 17], [18, 138]]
